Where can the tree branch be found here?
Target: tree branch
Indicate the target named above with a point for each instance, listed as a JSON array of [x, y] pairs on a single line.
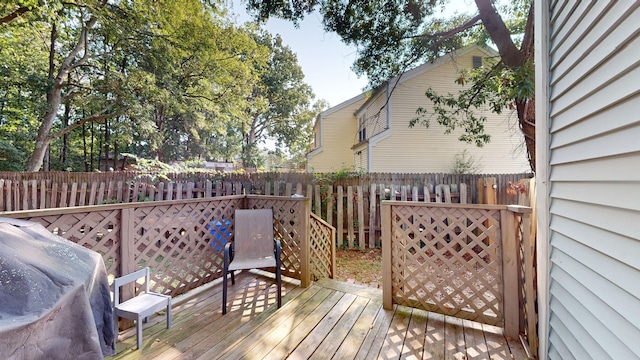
[[528, 39], [510, 54], [18, 12], [68, 129], [446, 34]]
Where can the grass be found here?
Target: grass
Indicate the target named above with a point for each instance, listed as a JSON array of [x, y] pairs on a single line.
[[359, 266]]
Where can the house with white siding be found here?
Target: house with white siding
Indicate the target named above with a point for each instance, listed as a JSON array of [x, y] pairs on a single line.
[[588, 178], [371, 132]]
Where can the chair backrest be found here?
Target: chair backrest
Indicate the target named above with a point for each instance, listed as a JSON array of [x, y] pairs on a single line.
[[253, 233], [126, 279]]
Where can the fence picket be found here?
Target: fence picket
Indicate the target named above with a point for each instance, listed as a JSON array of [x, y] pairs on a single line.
[[73, 195], [318, 208], [168, 194], [46, 190], [2, 198], [372, 216], [447, 193], [208, 189], [330, 204], [339, 210], [350, 234], [25, 195], [463, 193], [54, 195], [92, 195], [110, 190], [360, 203], [34, 194], [63, 195]]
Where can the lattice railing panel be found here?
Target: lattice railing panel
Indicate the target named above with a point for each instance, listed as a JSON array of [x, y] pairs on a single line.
[[527, 294], [448, 260], [322, 248], [97, 230], [287, 228], [522, 295], [174, 240], [181, 241]]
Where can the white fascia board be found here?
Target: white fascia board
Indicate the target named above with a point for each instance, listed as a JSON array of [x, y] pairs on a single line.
[[373, 141], [314, 152], [408, 75], [543, 172], [342, 105]]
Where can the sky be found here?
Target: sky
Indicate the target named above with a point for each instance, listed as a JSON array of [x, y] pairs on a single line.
[[325, 60]]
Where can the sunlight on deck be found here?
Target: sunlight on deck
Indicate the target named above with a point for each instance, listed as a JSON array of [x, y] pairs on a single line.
[[326, 320]]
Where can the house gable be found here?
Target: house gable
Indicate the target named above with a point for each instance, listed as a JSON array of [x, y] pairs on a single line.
[[334, 134], [401, 148], [375, 135]]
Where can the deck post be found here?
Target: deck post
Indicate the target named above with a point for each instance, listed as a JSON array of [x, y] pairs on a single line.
[[127, 257], [387, 286], [305, 258], [510, 275]]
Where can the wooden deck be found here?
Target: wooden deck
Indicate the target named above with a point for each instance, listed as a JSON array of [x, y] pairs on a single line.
[[328, 320]]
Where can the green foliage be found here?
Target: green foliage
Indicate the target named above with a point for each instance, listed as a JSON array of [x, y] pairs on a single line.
[[169, 80], [11, 159], [465, 163], [340, 175], [279, 105]]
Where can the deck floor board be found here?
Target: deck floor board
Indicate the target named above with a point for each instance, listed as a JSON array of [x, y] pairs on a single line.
[[327, 320]]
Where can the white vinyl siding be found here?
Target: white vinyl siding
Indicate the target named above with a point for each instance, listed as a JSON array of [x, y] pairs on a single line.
[[593, 256]]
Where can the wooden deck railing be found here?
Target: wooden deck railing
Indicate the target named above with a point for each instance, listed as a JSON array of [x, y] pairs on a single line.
[[183, 240], [469, 261], [352, 206], [323, 255]]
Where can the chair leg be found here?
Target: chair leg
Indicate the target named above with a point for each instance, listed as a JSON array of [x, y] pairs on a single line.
[[168, 314], [224, 290], [139, 331], [278, 252], [279, 283]]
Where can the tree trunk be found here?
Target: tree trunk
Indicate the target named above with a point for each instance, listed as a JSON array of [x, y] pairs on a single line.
[[527, 121], [64, 154], [54, 93], [84, 148]]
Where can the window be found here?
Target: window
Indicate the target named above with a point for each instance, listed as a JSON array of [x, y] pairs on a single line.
[[362, 128], [362, 134], [477, 62]]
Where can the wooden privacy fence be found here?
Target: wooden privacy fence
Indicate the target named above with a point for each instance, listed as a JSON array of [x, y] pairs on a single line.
[[468, 261], [41, 190], [182, 241], [353, 209]]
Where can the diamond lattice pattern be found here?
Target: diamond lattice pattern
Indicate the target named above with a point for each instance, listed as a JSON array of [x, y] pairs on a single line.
[[448, 260]]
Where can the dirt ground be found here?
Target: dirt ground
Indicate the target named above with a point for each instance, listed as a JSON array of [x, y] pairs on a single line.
[[362, 267]]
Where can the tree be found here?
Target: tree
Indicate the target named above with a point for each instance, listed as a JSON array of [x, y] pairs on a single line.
[[155, 77], [392, 36], [278, 106], [83, 81], [196, 71]]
